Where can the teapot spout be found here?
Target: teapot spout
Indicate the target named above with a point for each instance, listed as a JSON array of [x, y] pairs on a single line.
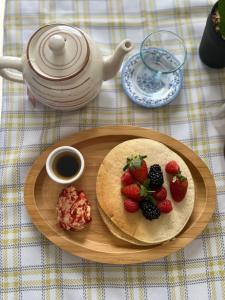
[[112, 63]]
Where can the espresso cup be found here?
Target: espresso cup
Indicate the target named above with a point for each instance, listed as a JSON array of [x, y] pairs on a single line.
[[65, 164]]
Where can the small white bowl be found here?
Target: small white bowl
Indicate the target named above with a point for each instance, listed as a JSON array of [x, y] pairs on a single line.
[[53, 156]]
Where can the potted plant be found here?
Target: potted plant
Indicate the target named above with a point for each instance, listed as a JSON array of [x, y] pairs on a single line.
[[212, 46]]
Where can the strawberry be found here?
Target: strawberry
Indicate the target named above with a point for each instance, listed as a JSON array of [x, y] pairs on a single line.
[[165, 206], [172, 167], [132, 191], [137, 167], [131, 205], [127, 178], [160, 194], [178, 187]]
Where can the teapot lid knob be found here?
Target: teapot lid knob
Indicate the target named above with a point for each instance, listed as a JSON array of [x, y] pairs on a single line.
[[57, 44]]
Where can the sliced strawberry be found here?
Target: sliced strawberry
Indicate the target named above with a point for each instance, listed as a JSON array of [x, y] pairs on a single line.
[[178, 187], [132, 191], [160, 194], [131, 205], [137, 167], [165, 206], [127, 178], [172, 167]]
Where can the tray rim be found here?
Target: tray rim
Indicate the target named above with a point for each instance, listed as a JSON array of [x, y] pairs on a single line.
[[141, 254]]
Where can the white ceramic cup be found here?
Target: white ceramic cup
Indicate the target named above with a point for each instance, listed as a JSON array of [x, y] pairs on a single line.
[[52, 158]]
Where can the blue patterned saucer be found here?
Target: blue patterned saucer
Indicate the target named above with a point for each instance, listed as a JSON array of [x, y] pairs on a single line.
[[138, 88]]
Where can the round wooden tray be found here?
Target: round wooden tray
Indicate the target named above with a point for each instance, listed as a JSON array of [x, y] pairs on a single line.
[[96, 242]]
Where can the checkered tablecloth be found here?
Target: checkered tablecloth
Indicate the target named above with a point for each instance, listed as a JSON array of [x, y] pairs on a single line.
[[32, 267]]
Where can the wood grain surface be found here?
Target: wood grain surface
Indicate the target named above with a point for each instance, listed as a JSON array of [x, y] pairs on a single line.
[[96, 243]]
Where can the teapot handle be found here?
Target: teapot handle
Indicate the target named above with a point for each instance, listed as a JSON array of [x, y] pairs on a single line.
[[12, 63]]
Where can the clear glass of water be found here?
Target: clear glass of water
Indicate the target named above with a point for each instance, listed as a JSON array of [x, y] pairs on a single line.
[[162, 53]]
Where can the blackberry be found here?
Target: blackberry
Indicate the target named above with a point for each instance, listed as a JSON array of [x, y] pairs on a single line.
[[149, 210], [156, 176]]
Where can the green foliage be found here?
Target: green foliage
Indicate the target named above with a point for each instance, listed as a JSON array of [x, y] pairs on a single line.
[[221, 10]]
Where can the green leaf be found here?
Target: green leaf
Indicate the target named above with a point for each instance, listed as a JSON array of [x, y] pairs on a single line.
[[181, 177], [221, 9], [134, 162], [143, 191], [125, 167], [146, 183], [143, 156], [147, 194], [151, 199]]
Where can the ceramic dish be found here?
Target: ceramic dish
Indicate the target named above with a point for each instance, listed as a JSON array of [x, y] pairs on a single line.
[[96, 242], [134, 79]]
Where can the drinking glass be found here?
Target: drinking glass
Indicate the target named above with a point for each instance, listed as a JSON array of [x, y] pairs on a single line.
[[162, 53]]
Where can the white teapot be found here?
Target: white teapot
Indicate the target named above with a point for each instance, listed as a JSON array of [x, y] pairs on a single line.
[[62, 67]]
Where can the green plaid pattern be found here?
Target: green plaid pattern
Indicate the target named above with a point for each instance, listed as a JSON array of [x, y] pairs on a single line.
[[31, 266]]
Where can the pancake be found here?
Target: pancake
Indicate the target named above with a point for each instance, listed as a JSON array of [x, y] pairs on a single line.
[[110, 199], [117, 232]]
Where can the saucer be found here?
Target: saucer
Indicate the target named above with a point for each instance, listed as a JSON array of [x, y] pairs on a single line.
[[136, 85]]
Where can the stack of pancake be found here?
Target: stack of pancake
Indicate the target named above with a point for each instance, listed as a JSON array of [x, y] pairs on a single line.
[[134, 227]]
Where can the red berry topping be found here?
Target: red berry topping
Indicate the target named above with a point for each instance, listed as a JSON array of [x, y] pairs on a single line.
[[178, 187], [131, 205], [160, 194], [132, 191], [165, 206], [127, 178], [172, 167], [137, 167]]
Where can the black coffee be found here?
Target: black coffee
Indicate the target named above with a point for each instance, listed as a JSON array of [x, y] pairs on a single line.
[[66, 164]]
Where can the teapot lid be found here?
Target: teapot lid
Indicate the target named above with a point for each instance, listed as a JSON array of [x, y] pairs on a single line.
[[58, 52]]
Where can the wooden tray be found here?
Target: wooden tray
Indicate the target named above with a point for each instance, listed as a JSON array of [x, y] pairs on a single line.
[[96, 242]]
